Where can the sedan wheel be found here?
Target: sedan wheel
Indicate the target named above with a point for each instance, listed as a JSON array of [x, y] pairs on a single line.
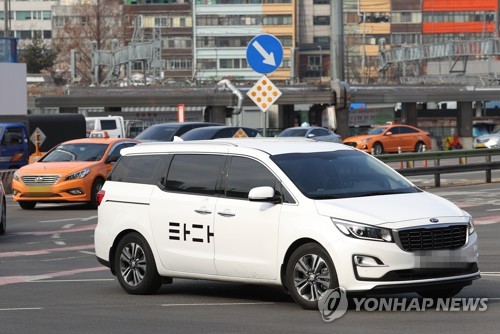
[[135, 266], [377, 149]]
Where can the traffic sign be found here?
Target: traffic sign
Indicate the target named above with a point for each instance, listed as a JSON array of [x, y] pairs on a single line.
[[41, 136], [264, 53], [264, 93]]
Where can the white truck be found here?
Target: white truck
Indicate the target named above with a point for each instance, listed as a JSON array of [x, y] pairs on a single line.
[[113, 125]]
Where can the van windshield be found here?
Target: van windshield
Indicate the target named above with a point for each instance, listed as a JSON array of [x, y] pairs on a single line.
[[341, 174]]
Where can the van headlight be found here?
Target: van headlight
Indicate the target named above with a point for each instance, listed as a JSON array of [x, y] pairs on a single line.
[[78, 175], [362, 231], [470, 226], [15, 176]]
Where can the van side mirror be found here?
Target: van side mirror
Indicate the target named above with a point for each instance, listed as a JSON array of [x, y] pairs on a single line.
[[263, 194]]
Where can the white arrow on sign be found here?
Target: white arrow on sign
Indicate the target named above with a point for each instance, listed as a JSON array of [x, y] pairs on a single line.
[[268, 57]]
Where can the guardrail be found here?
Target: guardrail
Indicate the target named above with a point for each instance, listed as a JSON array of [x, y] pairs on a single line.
[[431, 162]]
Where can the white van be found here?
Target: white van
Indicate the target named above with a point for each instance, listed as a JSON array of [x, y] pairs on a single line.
[[310, 216], [113, 125]]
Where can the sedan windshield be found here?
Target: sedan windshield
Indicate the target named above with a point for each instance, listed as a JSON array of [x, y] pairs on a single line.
[[376, 131], [293, 133], [341, 174], [76, 152]]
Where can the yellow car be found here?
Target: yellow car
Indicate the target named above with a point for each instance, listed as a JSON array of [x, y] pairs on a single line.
[[73, 171]]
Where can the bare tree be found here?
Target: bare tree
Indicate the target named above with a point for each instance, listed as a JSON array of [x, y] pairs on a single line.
[[77, 26]]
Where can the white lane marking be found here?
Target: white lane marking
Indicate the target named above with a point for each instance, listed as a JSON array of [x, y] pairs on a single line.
[[215, 304], [68, 226], [56, 236], [490, 274], [493, 209], [73, 280], [87, 252], [82, 219], [21, 309], [60, 243]]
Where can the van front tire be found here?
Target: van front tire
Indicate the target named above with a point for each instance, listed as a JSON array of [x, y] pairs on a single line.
[[309, 274]]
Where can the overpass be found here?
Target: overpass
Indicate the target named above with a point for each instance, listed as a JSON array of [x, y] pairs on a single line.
[[337, 93]]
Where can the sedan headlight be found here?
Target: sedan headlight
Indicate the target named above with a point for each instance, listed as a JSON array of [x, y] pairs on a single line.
[[366, 140], [15, 176], [78, 175], [362, 231]]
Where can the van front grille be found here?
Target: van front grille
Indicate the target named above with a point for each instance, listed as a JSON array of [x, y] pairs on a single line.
[[450, 237]]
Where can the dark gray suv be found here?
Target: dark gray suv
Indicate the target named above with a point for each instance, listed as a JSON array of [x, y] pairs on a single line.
[[167, 131]]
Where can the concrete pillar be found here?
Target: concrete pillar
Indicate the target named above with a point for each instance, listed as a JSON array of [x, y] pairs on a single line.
[[215, 114], [342, 122], [478, 109], [464, 124], [409, 113]]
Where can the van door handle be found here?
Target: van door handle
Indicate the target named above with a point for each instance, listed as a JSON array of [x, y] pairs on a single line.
[[226, 214], [203, 211]]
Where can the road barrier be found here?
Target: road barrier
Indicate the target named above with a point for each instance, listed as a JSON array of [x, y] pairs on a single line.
[[432, 162]]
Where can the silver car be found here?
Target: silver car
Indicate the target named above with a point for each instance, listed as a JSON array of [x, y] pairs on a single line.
[[491, 140], [313, 132]]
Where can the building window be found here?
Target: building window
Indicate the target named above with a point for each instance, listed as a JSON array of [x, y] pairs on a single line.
[[321, 20], [23, 15], [236, 63], [179, 64], [278, 20], [323, 41]]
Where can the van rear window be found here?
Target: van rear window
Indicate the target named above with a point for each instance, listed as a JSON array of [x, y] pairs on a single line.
[[145, 169]]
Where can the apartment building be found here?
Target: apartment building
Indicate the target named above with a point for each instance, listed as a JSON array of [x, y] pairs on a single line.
[[28, 20], [372, 24], [223, 28]]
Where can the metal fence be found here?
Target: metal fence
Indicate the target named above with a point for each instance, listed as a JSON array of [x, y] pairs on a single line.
[[443, 162]]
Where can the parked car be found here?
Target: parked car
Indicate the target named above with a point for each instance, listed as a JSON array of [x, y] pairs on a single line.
[[214, 132], [491, 140], [309, 216], [313, 132], [73, 171], [3, 209], [391, 138], [167, 131]]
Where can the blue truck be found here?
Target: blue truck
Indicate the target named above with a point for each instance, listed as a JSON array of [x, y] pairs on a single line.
[[17, 135]]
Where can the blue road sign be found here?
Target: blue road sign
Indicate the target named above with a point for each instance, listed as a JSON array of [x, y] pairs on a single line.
[[264, 53]]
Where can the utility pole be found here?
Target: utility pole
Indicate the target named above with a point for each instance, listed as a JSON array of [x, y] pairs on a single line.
[[6, 18], [337, 40]]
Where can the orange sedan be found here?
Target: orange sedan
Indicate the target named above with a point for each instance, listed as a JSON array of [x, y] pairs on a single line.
[[391, 138], [73, 171]]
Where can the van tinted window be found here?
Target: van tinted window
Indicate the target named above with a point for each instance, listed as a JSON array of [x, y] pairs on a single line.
[[245, 174], [195, 173], [146, 169]]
